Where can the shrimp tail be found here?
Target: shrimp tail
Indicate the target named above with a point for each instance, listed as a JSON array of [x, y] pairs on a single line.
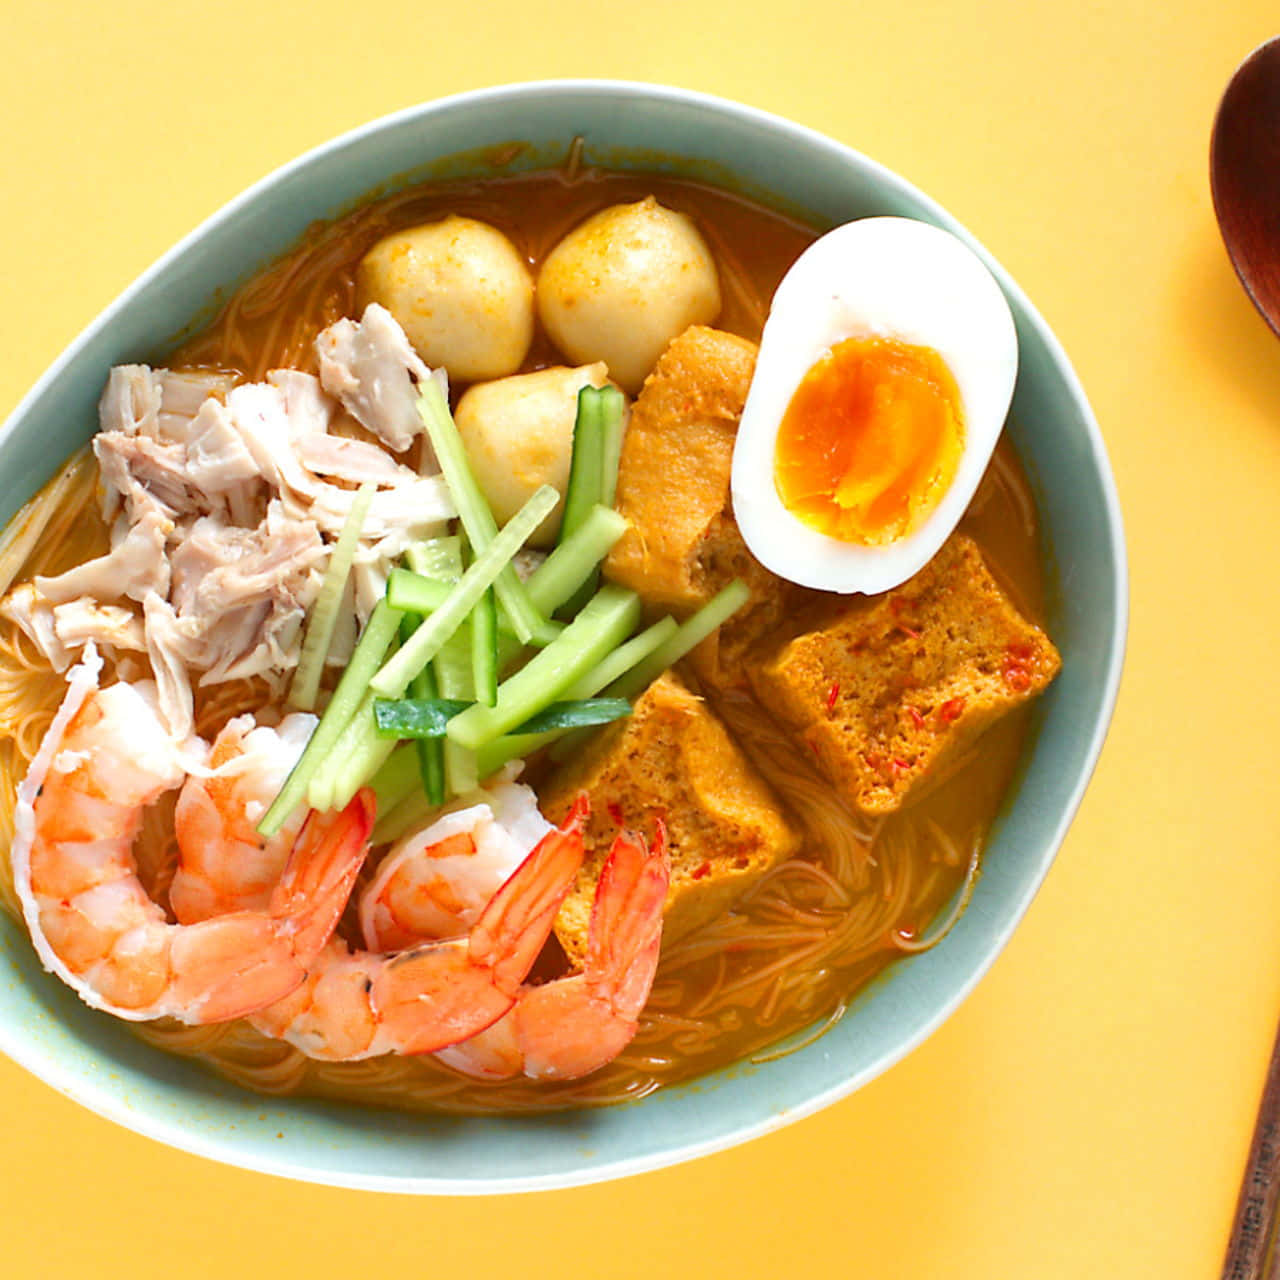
[[626, 921], [233, 965], [572, 1027], [517, 920], [439, 993], [321, 872]]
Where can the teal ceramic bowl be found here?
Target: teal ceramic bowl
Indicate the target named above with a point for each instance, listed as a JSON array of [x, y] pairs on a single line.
[[95, 1060]]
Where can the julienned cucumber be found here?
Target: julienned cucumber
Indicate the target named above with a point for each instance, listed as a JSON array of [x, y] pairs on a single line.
[[593, 473], [324, 613], [430, 754], [575, 558], [428, 718], [426, 641], [606, 621], [346, 699], [690, 633], [585, 466], [477, 520]]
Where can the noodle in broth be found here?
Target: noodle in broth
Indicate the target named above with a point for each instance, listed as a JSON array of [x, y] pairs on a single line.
[[790, 955]]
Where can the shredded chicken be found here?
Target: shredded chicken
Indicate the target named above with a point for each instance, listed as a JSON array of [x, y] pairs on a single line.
[[351, 460], [371, 367], [307, 407], [220, 499], [182, 396], [165, 649], [145, 417], [130, 401], [149, 477], [79, 621], [411, 510], [261, 417], [34, 614], [218, 460], [135, 567], [241, 595]]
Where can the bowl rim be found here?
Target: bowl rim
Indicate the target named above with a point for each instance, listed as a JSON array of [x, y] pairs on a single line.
[[100, 1096]]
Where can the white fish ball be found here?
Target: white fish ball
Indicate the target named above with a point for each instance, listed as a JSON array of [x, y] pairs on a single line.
[[625, 282], [460, 291], [518, 434]]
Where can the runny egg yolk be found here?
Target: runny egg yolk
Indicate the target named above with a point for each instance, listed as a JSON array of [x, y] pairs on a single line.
[[870, 441]]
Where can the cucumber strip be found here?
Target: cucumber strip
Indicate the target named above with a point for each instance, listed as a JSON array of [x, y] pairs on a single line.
[[514, 745], [461, 769], [623, 658], [527, 621], [578, 713], [427, 718], [586, 466], [357, 756], [431, 768], [346, 699], [691, 633], [452, 666], [586, 473], [398, 778], [438, 558], [617, 664], [613, 406], [425, 643], [412, 593], [484, 648], [565, 570], [605, 622], [571, 563], [511, 746], [324, 613], [415, 717], [430, 754]]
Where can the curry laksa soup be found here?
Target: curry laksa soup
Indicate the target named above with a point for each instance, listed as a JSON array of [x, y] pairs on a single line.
[[550, 636]]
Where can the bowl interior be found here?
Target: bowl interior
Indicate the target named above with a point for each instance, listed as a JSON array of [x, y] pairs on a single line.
[[100, 1063]]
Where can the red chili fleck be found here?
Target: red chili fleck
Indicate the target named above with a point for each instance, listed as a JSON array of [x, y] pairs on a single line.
[[900, 766], [704, 870], [909, 631], [916, 718], [950, 710], [1017, 678], [813, 746], [615, 812], [832, 695]]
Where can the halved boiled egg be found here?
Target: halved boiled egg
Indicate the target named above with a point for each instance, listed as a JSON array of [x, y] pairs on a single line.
[[884, 376]]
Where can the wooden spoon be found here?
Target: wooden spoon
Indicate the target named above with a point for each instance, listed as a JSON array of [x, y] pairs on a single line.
[[1244, 171]]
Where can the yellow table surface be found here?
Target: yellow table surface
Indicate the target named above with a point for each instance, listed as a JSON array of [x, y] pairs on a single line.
[[1087, 1112]]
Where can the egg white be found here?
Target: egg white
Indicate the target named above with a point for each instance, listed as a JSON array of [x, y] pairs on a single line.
[[877, 277]]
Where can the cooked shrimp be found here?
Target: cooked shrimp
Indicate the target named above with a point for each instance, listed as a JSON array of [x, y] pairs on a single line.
[[364, 1003], [435, 882], [573, 1025], [105, 758], [225, 865]]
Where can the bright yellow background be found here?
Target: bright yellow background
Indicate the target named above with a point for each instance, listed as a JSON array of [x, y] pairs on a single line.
[[1087, 1112]]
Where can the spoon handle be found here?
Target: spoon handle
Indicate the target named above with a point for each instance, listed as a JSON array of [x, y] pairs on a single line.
[[1252, 1252]]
